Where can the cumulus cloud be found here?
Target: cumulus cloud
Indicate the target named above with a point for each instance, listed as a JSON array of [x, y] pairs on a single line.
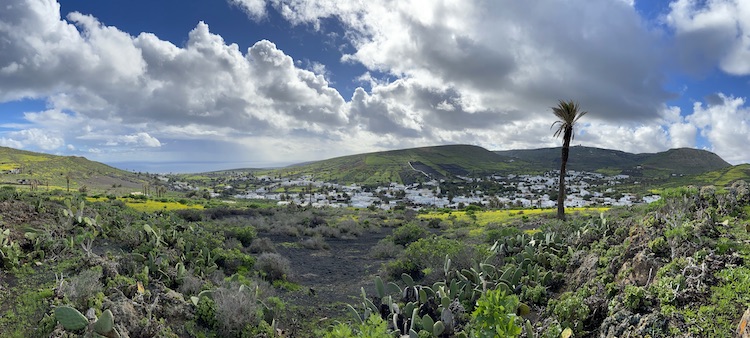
[[480, 72], [506, 55], [255, 9], [208, 81], [711, 33], [726, 126], [139, 139], [33, 138]]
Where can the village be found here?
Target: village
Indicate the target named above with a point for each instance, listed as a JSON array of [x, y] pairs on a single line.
[[510, 191]]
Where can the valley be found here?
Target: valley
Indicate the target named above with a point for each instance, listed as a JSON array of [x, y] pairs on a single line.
[[291, 253]]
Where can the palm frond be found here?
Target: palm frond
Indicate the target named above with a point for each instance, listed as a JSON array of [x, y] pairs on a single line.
[[568, 114]]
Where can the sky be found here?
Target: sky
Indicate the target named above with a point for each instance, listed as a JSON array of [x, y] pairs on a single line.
[[189, 86]]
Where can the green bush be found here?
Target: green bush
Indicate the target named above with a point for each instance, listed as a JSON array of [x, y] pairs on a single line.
[[244, 234], [424, 259], [206, 312], [233, 261], [494, 232], [570, 310], [659, 246], [408, 233], [495, 316], [373, 327], [634, 298], [536, 294]]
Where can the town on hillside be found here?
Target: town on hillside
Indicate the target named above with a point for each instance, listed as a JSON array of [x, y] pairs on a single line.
[[496, 191]]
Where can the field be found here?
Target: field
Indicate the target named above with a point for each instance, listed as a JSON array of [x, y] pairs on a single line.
[[483, 218]]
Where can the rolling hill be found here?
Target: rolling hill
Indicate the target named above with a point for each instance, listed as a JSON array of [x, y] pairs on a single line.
[[720, 177], [680, 161], [20, 167], [408, 165]]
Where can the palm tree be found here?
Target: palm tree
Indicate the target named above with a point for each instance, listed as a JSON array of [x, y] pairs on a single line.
[[568, 114]]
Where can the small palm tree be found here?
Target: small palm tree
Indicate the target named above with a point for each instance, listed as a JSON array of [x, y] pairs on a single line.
[[568, 114]]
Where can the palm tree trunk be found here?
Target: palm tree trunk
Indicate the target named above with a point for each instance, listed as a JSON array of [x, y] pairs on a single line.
[[563, 165]]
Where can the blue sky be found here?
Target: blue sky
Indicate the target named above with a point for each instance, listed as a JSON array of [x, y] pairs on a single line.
[[184, 86]]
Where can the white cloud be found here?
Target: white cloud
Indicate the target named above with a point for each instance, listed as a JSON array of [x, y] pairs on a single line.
[[726, 126], [33, 138], [11, 143], [506, 55], [104, 73], [140, 139], [480, 72], [711, 33], [255, 9], [631, 138]]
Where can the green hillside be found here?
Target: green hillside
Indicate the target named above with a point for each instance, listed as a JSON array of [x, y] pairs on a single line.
[[20, 167], [681, 161], [720, 177], [408, 165]]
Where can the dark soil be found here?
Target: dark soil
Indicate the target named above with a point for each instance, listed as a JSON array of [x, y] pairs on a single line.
[[331, 278]]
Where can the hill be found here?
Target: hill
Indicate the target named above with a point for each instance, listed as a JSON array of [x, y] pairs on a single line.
[[20, 167], [408, 165], [681, 161], [720, 177]]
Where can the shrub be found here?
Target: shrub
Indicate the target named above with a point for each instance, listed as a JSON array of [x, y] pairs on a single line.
[[495, 316], [425, 258], [233, 261], [315, 243], [351, 227], [494, 232], [385, 249], [81, 288], [536, 294], [261, 245], [274, 266], [634, 298], [570, 310], [206, 312], [435, 223], [659, 246], [244, 234], [237, 311], [408, 233], [373, 327]]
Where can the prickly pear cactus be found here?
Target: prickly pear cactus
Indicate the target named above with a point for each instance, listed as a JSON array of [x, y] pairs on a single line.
[[70, 318], [105, 323]]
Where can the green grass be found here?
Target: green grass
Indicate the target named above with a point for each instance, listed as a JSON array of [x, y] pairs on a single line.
[[51, 170], [381, 168]]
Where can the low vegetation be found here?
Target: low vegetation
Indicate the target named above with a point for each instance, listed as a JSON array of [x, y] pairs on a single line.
[[75, 265]]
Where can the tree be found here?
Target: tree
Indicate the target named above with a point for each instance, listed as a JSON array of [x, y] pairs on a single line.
[[568, 114]]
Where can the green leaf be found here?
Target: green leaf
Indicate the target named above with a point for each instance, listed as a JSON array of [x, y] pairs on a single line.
[[407, 279], [105, 323], [427, 323], [438, 328], [379, 287], [70, 318]]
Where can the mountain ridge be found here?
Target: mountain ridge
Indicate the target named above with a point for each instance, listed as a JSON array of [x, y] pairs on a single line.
[[679, 161], [402, 165]]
